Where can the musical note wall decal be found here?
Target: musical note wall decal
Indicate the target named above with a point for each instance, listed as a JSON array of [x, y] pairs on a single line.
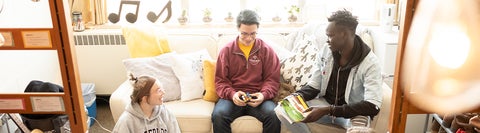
[[132, 18], [153, 17]]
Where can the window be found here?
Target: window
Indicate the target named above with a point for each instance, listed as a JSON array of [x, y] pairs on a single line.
[[267, 10], [366, 10], [196, 9], [310, 10]]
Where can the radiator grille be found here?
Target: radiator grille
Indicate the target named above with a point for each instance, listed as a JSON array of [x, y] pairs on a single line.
[[99, 39]]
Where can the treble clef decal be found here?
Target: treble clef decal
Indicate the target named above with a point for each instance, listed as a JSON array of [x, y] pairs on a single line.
[[153, 17], [132, 18]]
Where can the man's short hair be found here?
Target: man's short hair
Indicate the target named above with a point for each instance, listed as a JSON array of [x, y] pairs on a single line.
[[248, 17], [344, 18]]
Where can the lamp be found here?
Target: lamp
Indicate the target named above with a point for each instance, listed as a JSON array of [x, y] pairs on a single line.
[[441, 65]]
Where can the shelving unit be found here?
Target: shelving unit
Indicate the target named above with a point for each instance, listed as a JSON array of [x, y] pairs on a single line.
[[439, 120], [53, 35]]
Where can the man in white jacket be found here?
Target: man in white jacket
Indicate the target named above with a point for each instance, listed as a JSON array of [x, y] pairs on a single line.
[[345, 88], [146, 113]]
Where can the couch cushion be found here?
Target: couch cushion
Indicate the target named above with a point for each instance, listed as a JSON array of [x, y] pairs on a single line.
[[144, 42], [189, 70], [209, 80], [364, 33], [119, 99], [187, 43], [316, 29], [158, 67], [282, 52], [297, 70], [192, 116], [379, 123], [240, 124]]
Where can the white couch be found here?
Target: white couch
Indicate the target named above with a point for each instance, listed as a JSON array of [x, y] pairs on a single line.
[[195, 116]]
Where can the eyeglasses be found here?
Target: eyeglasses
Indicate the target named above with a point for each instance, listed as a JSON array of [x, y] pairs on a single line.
[[245, 34]]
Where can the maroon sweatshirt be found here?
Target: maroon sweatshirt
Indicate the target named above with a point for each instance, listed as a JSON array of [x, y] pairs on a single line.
[[260, 73]]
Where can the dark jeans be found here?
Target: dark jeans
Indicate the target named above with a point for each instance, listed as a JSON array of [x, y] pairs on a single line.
[[225, 112]]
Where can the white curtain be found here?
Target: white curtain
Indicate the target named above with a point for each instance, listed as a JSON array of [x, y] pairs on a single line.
[[94, 12]]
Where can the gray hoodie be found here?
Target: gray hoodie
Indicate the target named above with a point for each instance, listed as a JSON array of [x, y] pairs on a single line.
[[134, 121]]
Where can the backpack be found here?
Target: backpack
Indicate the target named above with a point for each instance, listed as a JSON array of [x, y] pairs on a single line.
[[44, 122]]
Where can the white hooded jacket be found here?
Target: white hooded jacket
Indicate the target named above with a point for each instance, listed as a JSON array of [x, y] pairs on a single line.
[[364, 81]]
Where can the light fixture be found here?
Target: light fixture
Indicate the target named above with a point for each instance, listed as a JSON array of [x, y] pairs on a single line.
[[441, 64]]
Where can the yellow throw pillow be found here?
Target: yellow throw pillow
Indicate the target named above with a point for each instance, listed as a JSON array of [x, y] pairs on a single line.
[[144, 42], [209, 81]]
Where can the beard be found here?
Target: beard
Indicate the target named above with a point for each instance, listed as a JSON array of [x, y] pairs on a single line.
[[333, 49]]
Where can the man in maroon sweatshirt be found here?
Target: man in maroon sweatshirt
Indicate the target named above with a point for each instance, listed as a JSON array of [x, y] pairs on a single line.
[[247, 78]]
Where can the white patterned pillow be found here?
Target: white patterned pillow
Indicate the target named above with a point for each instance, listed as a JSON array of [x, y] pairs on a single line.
[[158, 67], [189, 70], [282, 53], [298, 69], [366, 37]]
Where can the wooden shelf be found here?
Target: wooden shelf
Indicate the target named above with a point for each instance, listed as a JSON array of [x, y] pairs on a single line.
[[59, 38]]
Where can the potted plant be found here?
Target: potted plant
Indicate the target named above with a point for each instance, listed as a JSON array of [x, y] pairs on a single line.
[[229, 18], [207, 15], [183, 19], [276, 18], [293, 12]]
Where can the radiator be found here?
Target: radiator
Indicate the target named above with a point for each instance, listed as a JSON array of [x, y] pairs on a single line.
[[99, 58]]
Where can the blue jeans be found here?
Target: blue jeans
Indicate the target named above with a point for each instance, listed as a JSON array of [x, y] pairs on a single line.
[[225, 112]]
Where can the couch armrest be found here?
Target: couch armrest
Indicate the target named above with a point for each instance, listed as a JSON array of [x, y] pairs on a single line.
[[119, 99], [380, 122]]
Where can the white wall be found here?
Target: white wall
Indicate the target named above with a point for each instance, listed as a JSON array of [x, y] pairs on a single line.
[[19, 67], [385, 47], [416, 123], [102, 66]]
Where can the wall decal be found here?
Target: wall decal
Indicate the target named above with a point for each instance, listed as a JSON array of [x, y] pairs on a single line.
[[132, 18], [153, 17]]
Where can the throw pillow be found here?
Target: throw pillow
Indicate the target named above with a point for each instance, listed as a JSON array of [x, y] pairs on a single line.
[[158, 67], [367, 39], [209, 80], [298, 69], [189, 70], [144, 42], [282, 53]]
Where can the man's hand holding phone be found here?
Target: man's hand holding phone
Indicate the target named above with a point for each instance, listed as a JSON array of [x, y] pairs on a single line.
[[255, 99]]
